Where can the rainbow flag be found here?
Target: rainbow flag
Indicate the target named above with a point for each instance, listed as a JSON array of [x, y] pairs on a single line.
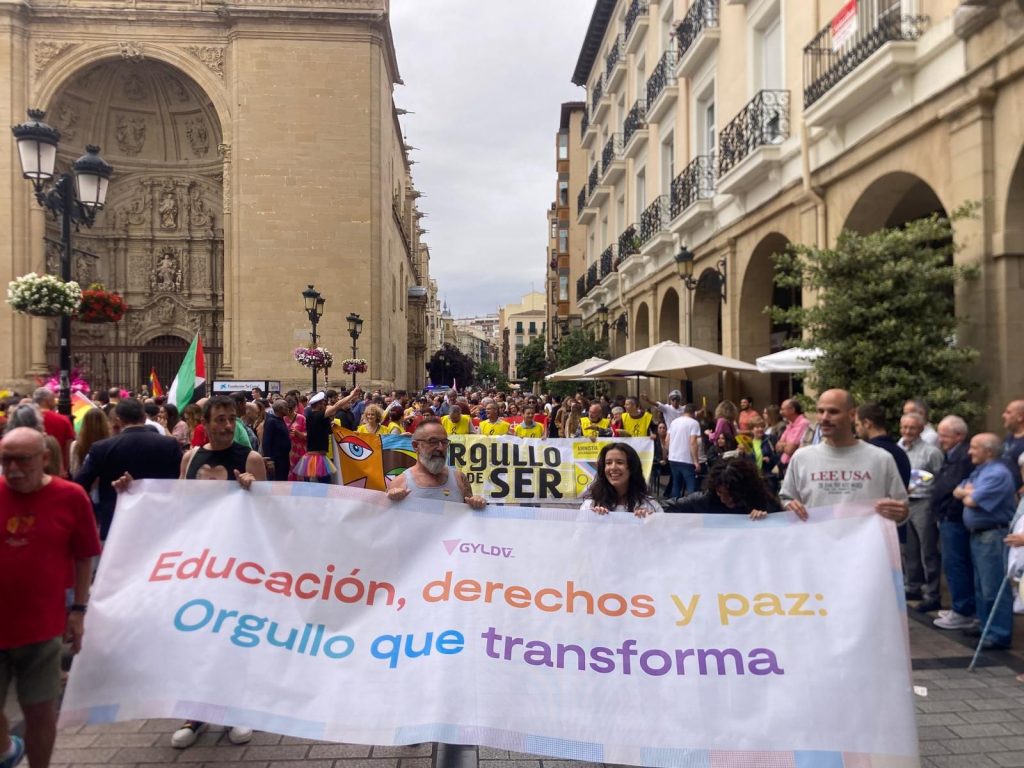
[[155, 390], [79, 405]]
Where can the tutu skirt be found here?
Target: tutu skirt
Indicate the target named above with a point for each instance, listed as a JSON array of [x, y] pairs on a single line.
[[313, 466]]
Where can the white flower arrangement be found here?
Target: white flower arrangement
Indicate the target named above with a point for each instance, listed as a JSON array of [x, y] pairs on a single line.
[[43, 295]]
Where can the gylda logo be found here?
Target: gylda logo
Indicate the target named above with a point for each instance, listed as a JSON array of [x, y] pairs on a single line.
[[471, 548]]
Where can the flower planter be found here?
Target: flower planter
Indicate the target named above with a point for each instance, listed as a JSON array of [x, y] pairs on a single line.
[[314, 357], [101, 306], [43, 295]]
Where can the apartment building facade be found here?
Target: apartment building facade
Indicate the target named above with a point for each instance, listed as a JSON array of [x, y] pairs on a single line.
[[717, 132], [519, 325], [566, 233]]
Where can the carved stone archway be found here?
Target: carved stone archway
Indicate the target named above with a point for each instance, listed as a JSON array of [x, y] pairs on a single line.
[[160, 240]]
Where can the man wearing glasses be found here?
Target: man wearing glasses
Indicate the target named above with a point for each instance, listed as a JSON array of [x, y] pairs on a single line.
[[47, 533], [431, 477]]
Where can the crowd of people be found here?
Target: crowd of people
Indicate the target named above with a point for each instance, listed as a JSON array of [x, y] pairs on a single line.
[[953, 494]]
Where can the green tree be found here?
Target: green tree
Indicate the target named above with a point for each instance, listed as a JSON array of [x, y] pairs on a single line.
[[531, 362], [489, 374], [573, 348], [884, 315], [450, 365], [577, 346]]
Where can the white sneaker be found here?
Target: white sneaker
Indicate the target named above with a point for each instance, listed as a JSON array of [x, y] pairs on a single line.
[[239, 735], [943, 613], [954, 620], [186, 736]]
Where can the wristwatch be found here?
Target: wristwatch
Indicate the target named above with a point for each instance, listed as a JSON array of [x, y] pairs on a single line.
[[77, 608]]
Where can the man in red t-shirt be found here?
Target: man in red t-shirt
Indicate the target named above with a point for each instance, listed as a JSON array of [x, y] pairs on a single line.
[[56, 425], [48, 538]]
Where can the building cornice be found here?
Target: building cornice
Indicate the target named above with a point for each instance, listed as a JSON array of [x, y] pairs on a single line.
[[599, 19]]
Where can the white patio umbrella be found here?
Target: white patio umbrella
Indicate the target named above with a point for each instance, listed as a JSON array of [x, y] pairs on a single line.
[[577, 372], [792, 360], [670, 359]]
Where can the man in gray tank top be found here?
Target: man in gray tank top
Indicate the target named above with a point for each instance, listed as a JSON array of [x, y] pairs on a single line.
[[431, 477]]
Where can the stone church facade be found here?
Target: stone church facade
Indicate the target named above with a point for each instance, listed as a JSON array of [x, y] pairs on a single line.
[[256, 150]]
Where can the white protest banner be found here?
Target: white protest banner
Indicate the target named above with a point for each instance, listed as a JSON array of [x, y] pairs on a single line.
[[332, 613]]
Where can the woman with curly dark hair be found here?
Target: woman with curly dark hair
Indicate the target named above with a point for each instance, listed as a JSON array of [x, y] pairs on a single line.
[[734, 486], [619, 485]]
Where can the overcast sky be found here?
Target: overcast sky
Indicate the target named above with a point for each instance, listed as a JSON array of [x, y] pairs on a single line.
[[486, 79]]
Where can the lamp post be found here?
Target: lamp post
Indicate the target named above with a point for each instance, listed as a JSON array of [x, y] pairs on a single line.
[[314, 304], [76, 199], [355, 327], [684, 266]]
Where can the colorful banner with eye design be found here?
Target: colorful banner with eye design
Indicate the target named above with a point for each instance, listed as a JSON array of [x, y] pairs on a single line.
[[501, 469]]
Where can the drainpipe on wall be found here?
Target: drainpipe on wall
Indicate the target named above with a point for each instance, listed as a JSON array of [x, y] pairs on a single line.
[[810, 191]]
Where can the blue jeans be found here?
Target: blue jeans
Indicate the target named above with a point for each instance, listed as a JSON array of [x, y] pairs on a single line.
[[956, 562], [989, 555], [684, 478]]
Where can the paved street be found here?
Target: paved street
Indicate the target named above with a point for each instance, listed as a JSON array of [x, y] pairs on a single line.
[[966, 720]]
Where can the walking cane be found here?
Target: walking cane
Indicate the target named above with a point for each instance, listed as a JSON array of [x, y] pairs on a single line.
[[988, 622]]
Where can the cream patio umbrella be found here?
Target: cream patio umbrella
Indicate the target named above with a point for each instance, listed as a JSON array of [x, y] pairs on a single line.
[[669, 359], [577, 372]]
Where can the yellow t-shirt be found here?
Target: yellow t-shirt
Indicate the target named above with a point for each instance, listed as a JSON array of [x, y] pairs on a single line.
[[637, 427], [498, 428], [365, 429], [392, 429], [462, 428], [537, 430], [590, 428]]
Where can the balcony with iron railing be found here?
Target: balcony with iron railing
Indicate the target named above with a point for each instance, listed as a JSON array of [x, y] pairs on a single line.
[[581, 287], [696, 37], [615, 63], [629, 244], [695, 183], [613, 164], [596, 92], [592, 280], [661, 86], [637, 20], [585, 212], [634, 129], [654, 220], [584, 124], [592, 180], [607, 261], [752, 139], [840, 79]]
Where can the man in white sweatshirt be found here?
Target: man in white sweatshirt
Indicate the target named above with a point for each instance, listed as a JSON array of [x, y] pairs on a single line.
[[842, 469]]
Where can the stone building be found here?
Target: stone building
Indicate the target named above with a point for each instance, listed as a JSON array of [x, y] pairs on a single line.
[[256, 150], [736, 127]]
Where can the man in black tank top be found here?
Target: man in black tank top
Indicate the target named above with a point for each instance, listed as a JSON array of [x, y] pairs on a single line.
[[221, 458]]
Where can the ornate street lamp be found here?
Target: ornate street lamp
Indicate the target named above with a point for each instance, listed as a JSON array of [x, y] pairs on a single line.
[[602, 318], [314, 304], [76, 199], [355, 327]]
